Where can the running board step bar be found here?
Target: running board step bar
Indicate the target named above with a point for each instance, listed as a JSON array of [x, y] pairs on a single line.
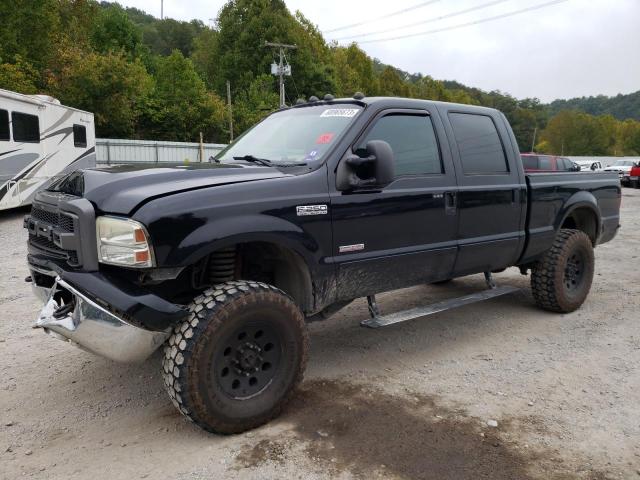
[[377, 320]]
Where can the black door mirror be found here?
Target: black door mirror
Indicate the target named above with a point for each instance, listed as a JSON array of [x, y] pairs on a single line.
[[374, 170]]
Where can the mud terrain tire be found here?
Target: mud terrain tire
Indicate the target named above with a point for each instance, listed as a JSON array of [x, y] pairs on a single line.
[[235, 362], [561, 280]]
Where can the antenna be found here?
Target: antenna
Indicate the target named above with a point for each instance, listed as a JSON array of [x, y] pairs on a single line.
[[280, 68]]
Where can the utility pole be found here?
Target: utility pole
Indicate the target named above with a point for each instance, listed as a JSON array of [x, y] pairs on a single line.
[[533, 143], [161, 9], [230, 111], [281, 69]]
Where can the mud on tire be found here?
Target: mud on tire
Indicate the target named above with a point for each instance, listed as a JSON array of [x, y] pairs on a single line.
[[234, 363], [561, 280]]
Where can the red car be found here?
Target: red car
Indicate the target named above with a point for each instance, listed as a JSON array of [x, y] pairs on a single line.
[[634, 176], [534, 162]]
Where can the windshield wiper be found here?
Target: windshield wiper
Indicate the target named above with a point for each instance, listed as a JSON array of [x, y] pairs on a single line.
[[269, 163], [253, 159]]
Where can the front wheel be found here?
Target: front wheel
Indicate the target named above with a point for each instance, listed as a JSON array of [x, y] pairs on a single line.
[[233, 364], [561, 280]]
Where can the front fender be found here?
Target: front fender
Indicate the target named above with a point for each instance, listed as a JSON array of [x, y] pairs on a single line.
[[241, 229]]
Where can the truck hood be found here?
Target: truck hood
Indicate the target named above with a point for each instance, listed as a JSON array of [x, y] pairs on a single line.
[[122, 189]]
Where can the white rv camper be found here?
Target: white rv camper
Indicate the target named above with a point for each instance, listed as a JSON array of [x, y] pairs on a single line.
[[40, 140]]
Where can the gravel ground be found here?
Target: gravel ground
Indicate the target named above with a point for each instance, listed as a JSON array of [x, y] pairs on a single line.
[[410, 401]]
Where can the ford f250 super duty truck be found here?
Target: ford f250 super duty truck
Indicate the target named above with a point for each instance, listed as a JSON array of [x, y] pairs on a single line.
[[223, 264]]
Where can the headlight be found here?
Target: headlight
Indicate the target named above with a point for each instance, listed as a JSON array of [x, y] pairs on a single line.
[[123, 242]]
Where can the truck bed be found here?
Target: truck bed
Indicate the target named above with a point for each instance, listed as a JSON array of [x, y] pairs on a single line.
[[548, 199]]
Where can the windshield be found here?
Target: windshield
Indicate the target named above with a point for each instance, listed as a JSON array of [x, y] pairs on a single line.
[[294, 136]]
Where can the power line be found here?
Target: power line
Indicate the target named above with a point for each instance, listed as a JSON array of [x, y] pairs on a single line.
[[429, 20], [467, 24], [292, 79], [383, 17]]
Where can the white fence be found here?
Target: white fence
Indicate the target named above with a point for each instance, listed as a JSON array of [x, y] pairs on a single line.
[[115, 151], [111, 151]]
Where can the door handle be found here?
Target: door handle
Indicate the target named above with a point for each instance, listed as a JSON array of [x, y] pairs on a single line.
[[450, 203]]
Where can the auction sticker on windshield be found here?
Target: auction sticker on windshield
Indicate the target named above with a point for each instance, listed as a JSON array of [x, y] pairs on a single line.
[[340, 112]]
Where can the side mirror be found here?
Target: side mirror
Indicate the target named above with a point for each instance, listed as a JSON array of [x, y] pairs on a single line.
[[374, 170]]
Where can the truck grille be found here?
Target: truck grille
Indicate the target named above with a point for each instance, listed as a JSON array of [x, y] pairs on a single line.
[[45, 224], [65, 222]]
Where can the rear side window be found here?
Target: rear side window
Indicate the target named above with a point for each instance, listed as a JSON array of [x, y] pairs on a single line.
[[79, 135], [530, 162], [412, 140], [545, 163], [481, 150], [4, 125], [26, 128]]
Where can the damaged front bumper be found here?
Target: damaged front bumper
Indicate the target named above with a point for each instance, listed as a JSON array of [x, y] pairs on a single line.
[[73, 315]]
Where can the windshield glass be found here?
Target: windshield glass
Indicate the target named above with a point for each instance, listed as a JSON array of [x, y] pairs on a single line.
[[297, 135]]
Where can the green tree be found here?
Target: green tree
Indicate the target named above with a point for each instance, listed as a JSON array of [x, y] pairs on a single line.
[[576, 133], [19, 76], [28, 29], [110, 85], [353, 71], [205, 56], [164, 36], [181, 106], [391, 84], [113, 31], [243, 28], [629, 137], [254, 103]]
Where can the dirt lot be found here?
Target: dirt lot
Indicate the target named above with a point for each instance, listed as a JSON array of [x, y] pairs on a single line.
[[409, 401]]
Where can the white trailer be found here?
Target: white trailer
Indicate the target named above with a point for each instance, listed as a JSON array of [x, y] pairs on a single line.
[[40, 140]]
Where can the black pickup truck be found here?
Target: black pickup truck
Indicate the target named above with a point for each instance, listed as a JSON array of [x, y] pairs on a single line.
[[317, 205]]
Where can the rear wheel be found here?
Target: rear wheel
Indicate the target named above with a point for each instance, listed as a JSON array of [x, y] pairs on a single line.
[[635, 183], [561, 280], [238, 358]]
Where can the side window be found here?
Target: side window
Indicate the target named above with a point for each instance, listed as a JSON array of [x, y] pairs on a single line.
[[413, 141], [79, 135], [545, 163], [26, 128], [530, 162], [4, 125], [481, 150]]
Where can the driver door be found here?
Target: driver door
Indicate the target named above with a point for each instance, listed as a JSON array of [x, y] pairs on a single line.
[[405, 233]]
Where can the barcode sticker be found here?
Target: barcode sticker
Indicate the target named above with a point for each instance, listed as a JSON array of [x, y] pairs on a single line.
[[340, 112]]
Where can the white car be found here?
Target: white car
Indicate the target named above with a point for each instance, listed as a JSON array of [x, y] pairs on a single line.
[[591, 165], [623, 167]]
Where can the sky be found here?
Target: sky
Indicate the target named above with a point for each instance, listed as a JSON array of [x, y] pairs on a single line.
[[567, 49]]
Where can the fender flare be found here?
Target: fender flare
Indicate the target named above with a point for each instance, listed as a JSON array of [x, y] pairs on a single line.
[[580, 200]]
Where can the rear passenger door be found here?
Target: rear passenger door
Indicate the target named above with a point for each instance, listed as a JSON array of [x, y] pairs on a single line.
[[491, 197]]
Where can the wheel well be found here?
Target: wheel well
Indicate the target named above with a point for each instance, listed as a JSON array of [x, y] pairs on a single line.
[[263, 262], [583, 219]]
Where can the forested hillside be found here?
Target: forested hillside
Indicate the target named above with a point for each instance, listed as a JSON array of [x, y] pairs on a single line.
[[166, 79], [620, 106]]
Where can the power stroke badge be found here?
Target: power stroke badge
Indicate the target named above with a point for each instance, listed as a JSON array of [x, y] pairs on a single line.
[[305, 210]]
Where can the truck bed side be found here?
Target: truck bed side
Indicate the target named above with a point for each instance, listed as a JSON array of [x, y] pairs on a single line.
[[589, 201]]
